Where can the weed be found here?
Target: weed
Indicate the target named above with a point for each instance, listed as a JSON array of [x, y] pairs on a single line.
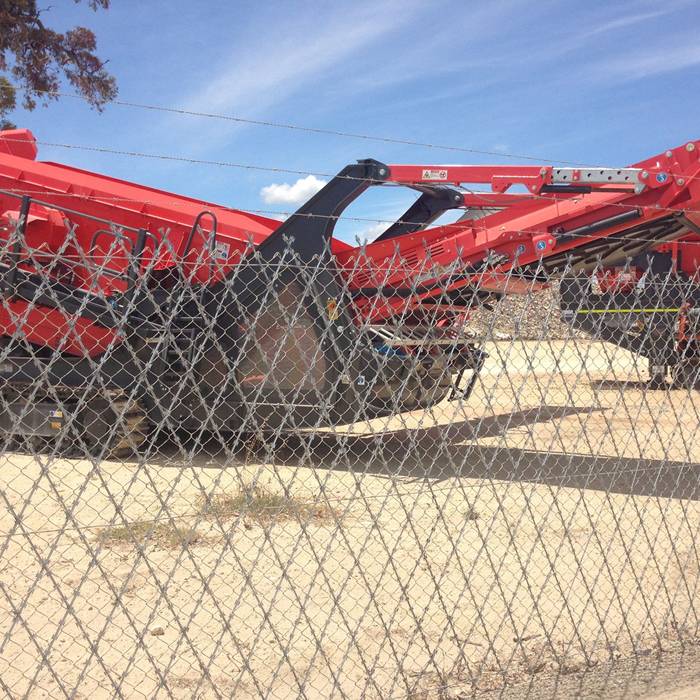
[[264, 507], [163, 535]]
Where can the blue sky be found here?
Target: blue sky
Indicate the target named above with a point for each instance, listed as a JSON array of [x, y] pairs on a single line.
[[598, 82]]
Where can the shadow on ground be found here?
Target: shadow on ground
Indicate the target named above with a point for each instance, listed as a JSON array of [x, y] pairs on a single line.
[[626, 384], [442, 452]]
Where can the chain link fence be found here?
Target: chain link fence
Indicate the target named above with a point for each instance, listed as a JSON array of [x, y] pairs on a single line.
[[267, 483]]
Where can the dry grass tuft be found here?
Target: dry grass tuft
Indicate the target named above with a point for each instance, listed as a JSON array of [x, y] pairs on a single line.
[[472, 514], [163, 535], [264, 507]]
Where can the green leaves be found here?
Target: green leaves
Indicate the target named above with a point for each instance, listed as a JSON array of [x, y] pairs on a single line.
[[36, 59]]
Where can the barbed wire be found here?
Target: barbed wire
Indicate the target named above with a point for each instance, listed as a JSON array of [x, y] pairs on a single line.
[[313, 130], [476, 524], [249, 166], [473, 223]]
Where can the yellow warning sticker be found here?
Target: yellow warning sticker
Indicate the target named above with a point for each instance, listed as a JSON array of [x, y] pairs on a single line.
[[332, 310], [628, 311]]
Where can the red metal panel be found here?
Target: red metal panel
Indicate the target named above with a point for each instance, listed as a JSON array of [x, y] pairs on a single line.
[[525, 228]]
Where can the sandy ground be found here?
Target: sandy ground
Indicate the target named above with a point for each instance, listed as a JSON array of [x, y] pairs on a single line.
[[548, 526]]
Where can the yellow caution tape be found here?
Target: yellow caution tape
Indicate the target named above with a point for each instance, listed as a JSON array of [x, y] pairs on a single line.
[[628, 311]]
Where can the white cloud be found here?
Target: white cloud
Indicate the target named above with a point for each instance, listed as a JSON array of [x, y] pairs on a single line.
[[279, 62], [683, 53], [371, 232], [626, 21], [297, 193]]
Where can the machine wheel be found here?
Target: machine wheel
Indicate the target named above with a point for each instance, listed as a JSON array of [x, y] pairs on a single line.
[[107, 429], [132, 431], [657, 376], [686, 374], [420, 392]]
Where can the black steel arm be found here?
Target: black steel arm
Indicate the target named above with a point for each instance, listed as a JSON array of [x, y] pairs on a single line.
[[306, 234], [428, 207]]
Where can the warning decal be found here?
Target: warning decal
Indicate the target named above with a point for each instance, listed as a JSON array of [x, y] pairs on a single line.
[[434, 175], [222, 250]]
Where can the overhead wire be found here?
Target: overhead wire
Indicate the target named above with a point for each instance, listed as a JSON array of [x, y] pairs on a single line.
[[276, 213], [310, 129], [302, 128], [344, 217], [331, 132]]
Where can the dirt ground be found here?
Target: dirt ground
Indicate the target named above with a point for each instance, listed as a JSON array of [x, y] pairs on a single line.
[[546, 526]]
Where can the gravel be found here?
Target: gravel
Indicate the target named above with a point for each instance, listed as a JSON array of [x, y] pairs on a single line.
[[534, 316]]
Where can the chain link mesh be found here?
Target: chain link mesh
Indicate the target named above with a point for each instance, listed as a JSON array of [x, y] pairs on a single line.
[[249, 489]]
